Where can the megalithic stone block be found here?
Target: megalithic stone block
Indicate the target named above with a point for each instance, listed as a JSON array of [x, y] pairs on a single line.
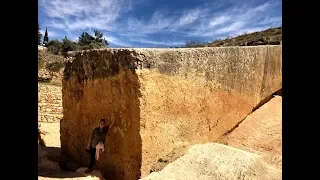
[[159, 99]]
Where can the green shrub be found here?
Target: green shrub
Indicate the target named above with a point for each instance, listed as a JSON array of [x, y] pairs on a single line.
[[54, 46], [54, 66], [68, 45]]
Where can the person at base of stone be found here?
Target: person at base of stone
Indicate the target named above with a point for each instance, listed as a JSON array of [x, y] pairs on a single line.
[[98, 135]]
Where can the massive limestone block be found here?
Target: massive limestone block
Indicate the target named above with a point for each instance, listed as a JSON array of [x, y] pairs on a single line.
[[159, 99]]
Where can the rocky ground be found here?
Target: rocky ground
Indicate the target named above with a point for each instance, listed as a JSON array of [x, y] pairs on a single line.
[[50, 67], [272, 36], [47, 76]]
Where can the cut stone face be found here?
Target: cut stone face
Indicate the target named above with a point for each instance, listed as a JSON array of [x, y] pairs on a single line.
[[159, 99]]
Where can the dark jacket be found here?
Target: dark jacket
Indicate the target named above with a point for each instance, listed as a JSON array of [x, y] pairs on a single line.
[[98, 135]]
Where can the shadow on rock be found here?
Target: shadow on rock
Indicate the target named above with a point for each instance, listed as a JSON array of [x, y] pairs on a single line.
[[54, 165]]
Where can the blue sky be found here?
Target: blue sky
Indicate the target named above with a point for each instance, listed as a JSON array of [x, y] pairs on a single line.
[[157, 23]]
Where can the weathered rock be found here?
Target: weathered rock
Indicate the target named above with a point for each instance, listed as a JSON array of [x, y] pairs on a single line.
[[54, 77], [67, 163], [44, 76], [159, 98], [49, 107], [44, 79], [42, 48], [44, 164], [41, 153], [47, 164]]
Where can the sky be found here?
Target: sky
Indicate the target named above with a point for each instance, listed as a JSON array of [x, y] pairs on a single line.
[[157, 23]]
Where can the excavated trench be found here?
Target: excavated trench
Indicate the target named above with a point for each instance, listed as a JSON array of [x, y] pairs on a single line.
[[180, 151], [68, 166], [219, 86]]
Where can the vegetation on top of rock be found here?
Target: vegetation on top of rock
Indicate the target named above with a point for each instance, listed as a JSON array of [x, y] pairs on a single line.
[[68, 45], [54, 46], [85, 42], [193, 43], [50, 62], [47, 57], [272, 36], [54, 66]]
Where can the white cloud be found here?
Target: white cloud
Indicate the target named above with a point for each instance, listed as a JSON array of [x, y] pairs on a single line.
[[161, 22], [189, 16], [219, 20], [167, 43], [56, 24], [231, 28], [115, 41], [82, 14], [270, 20], [139, 28], [50, 33], [157, 23], [232, 21]]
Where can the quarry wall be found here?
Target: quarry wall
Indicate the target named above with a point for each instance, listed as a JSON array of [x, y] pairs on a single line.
[[49, 103], [160, 99]]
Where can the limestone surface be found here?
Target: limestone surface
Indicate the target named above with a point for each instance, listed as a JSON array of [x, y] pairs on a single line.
[[159, 99]]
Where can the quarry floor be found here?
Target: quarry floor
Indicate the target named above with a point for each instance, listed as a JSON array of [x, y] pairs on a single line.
[[260, 133]]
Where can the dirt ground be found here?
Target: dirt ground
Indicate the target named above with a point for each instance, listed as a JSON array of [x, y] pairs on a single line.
[[51, 134], [48, 157], [169, 158], [216, 161]]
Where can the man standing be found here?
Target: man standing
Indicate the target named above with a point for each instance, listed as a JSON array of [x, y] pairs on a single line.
[[98, 135]]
